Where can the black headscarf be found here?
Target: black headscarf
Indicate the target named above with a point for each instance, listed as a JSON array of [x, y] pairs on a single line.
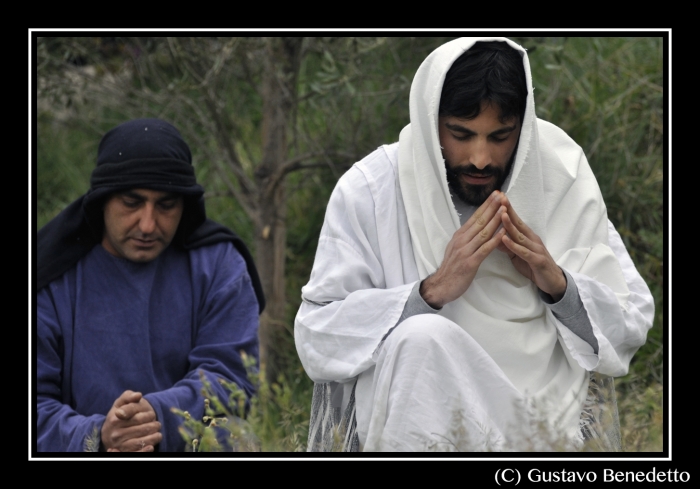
[[142, 153]]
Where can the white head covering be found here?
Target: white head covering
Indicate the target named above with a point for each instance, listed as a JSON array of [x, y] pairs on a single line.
[[553, 190]]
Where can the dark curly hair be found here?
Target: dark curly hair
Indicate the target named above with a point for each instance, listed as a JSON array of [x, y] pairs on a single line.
[[487, 72]]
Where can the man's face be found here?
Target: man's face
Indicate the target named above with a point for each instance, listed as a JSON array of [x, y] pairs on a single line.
[[140, 223], [478, 152]]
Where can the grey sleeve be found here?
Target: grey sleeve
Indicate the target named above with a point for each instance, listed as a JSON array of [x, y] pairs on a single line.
[[570, 311], [415, 305]]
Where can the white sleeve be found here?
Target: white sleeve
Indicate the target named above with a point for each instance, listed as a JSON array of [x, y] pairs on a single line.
[[620, 331], [346, 308]]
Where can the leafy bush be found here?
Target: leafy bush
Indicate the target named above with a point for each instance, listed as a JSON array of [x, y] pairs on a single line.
[[274, 420]]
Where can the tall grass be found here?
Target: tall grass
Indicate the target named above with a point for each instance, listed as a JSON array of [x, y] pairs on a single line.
[[274, 420]]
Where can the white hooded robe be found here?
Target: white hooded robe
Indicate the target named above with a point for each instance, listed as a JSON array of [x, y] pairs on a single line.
[[493, 364]]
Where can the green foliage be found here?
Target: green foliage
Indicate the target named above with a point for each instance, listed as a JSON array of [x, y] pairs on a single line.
[[275, 420], [65, 158], [641, 417]]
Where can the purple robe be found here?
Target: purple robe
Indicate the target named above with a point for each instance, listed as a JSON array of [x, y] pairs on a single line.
[[108, 325]]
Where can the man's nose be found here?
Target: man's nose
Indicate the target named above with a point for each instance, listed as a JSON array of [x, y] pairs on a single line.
[[480, 157], [147, 222]]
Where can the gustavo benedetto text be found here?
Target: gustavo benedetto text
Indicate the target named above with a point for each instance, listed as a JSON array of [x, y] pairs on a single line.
[[608, 475]]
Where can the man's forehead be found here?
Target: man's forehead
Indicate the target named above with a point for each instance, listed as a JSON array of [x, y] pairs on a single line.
[[149, 194]]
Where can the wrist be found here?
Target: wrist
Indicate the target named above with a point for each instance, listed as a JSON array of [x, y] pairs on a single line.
[[429, 293], [559, 292]]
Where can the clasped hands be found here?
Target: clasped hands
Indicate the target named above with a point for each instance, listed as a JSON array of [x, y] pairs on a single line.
[[494, 225], [131, 425]]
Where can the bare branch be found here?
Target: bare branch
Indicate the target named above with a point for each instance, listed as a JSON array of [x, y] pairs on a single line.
[[248, 75], [245, 200], [244, 195], [299, 163], [247, 185]]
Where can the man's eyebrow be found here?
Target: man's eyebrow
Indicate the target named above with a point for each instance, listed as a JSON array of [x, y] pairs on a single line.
[[503, 130], [458, 128]]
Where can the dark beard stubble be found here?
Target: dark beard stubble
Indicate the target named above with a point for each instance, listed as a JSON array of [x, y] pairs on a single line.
[[476, 194]]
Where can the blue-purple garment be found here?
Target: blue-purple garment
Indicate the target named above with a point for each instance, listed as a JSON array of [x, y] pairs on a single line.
[[108, 325]]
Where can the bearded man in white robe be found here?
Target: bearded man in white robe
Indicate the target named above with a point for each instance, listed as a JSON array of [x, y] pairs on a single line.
[[467, 281]]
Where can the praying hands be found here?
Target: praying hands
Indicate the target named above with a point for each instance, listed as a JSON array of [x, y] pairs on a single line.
[[529, 255], [131, 425]]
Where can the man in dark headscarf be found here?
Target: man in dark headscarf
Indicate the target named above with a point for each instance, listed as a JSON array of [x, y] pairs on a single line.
[[138, 295]]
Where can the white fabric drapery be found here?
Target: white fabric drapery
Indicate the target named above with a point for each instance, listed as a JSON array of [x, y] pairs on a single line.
[[501, 309], [387, 225]]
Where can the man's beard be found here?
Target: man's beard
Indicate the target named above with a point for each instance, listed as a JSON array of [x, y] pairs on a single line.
[[476, 194]]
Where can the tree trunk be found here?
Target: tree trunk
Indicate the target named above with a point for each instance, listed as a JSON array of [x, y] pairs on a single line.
[[281, 66]]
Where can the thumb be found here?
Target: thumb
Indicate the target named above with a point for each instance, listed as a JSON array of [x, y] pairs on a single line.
[[127, 397]]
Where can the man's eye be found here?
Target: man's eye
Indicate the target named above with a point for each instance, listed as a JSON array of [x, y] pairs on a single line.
[[131, 203], [499, 140], [461, 137], [166, 206]]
